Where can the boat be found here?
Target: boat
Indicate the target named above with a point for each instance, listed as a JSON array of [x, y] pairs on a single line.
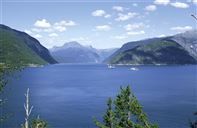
[[134, 69], [111, 66]]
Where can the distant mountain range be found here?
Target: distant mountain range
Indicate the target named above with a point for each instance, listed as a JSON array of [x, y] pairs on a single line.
[[73, 52], [177, 49], [20, 48]]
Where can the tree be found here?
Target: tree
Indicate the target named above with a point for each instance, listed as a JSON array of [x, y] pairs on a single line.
[[193, 124], [38, 123], [3, 82], [35, 123], [27, 110], [127, 112], [6, 70], [108, 117]]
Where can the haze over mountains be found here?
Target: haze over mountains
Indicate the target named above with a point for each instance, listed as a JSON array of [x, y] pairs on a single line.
[[19, 47], [73, 52]]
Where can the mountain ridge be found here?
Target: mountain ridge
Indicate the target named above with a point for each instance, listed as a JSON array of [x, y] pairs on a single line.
[[74, 52], [18, 46], [145, 51]]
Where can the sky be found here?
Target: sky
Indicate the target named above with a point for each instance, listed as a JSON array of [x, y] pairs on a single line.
[[102, 24]]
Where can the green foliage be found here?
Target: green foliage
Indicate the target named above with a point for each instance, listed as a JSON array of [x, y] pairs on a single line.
[[3, 82], [38, 123], [108, 117], [160, 52], [127, 112], [13, 50], [6, 70], [193, 124]]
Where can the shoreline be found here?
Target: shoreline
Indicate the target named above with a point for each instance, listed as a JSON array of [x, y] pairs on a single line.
[[152, 64], [116, 64]]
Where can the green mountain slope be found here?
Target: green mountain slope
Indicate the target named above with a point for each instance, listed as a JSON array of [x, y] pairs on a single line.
[[163, 51], [20, 48]]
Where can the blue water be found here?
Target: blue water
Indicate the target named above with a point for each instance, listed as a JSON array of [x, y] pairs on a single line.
[[69, 96]]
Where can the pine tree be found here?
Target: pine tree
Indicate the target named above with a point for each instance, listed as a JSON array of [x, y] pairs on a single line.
[[122, 106], [127, 112], [108, 117], [193, 124]]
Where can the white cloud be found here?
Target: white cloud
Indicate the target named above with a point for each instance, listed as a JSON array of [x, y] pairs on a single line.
[[28, 32], [135, 4], [37, 36], [53, 35], [162, 2], [150, 8], [195, 2], [98, 13], [42, 24], [135, 29], [103, 28], [118, 8], [81, 39], [36, 30], [48, 30], [60, 28], [107, 16], [120, 37], [65, 23], [69, 23], [101, 13], [162, 35], [124, 17], [179, 5], [179, 28], [131, 27], [136, 32]]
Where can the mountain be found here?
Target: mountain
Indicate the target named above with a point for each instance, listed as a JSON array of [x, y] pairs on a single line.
[[188, 40], [19, 47], [73, 52], [177, 49], [105, 53]]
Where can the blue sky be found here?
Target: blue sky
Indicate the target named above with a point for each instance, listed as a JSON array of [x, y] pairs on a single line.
[[102, 24]]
